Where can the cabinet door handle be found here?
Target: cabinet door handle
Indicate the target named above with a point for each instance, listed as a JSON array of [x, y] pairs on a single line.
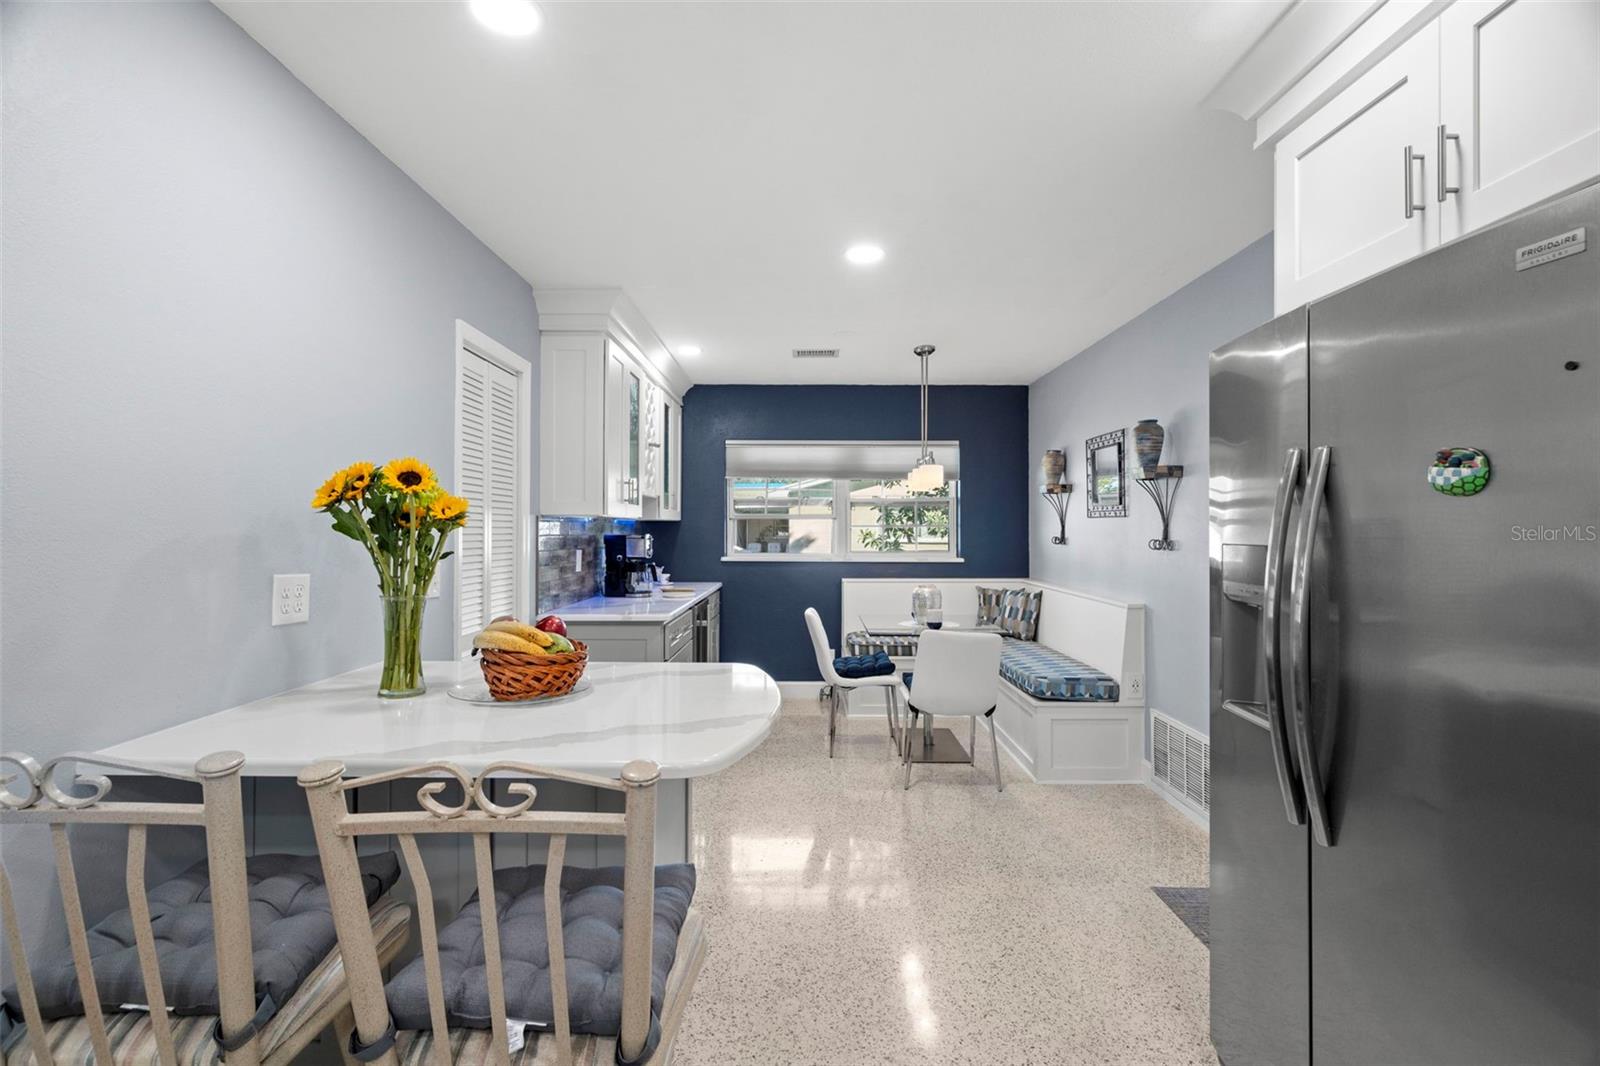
[[1411, 159], [1445, 189]]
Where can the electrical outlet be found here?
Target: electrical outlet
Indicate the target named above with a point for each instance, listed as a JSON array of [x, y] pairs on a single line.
[[1135, 686], [433, 586], [291, 599]]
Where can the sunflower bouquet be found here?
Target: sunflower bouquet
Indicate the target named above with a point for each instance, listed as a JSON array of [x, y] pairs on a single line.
[[403, 518]]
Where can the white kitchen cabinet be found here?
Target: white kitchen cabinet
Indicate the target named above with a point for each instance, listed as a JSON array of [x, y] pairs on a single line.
[[609, 400], [1488, 108], [664, 497], [652, 441], [572, 425], [1352, 181], [1519, 106], [624, 442]]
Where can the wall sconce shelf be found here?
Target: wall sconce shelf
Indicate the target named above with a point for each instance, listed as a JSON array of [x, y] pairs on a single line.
[[1160, 483], [1058, 496]]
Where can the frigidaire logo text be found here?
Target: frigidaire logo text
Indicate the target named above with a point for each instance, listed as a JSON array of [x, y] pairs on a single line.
[[1584, 534]]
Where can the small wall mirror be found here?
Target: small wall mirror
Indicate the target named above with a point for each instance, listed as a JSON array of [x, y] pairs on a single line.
[[1108, 483]]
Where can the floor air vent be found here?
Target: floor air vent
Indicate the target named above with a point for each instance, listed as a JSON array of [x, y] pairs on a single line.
[[1180, 761], [816, 353]]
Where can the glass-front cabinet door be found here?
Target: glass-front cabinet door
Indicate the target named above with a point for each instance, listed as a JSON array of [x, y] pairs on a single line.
[[635, 437], [669, 497]]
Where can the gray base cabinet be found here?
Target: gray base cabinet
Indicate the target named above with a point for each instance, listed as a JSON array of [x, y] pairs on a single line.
[[693, 636]]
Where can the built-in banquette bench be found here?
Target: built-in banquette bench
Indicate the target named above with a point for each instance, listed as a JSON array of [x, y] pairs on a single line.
[[1056, 741]]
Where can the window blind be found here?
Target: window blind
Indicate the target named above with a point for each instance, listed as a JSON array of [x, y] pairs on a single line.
[[835, 458]]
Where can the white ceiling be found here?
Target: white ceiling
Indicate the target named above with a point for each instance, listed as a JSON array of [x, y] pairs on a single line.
[[1038, 173]]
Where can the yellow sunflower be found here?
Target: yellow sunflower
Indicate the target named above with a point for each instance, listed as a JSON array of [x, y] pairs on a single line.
[[448, 508], [357, 477], [409, 476], [331, 492], [409, 517]]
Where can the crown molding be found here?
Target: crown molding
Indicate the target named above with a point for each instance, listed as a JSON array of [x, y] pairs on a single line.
[[610, 311]]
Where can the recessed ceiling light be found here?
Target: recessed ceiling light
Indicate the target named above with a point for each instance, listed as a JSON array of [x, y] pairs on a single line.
[[864, 254], [512, 18], [690, 350]]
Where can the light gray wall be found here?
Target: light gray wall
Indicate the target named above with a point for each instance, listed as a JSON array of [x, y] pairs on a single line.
[[1155, 366], [215, 293]]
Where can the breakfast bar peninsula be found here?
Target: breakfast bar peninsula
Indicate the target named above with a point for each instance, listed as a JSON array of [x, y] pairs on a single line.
[[691, 719]]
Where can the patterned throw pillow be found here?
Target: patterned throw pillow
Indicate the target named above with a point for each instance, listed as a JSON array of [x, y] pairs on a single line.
[[990, 602], [1019, 613]]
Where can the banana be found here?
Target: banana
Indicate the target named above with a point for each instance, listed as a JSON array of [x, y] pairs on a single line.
[[503, 641], [522, 631]]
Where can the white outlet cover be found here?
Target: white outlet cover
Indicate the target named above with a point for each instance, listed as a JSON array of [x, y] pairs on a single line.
[[1136, 685], [291, 599]]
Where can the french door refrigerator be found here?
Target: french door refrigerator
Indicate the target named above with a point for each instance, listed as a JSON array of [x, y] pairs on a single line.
[[1405, 662]]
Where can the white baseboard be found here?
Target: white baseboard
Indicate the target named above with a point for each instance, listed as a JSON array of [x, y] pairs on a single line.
[[1188, 810], [800, 690], [867, 703]]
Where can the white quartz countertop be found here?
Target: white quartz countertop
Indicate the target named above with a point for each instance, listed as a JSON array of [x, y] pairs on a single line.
[[690, 718], [654, 609]]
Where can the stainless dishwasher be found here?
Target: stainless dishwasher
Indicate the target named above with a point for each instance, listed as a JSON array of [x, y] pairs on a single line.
[[708, 629]]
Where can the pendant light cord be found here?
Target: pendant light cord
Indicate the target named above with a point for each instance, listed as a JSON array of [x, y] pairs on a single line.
[[922, 352]]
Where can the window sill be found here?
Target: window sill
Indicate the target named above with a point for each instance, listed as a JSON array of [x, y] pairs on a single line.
[[888, 557]]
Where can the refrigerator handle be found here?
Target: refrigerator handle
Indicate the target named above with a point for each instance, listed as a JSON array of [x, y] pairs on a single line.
[[1272, 639], [1299, 635]]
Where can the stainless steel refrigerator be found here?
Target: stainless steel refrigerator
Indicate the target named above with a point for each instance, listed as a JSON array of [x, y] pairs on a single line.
[[1405, 719]]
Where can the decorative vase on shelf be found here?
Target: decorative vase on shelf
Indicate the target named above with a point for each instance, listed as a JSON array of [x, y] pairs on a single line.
[[403, 518], [927, 604], [402, 647], [1054, 467], [1148, 437]]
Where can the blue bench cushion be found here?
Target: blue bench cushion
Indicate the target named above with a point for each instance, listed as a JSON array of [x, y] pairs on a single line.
[[591, 923], [875, 664], [1047, 674], [291, 930]]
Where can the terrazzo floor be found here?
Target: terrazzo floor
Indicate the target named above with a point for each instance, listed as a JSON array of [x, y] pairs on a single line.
[[853, 922]]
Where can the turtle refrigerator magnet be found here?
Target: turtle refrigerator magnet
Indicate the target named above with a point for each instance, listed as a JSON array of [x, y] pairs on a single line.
[[1459, 471]]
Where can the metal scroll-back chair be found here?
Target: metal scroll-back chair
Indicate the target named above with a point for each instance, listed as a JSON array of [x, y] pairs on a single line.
[[107, 1031], [643, 1034]]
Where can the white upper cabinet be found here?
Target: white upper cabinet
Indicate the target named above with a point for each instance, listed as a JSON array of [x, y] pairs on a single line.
[[1519, 106], [1351, 182], [1417, 121], [602, 405], [572, 424]]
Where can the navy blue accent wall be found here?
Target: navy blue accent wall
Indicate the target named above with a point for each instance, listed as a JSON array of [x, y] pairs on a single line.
[[762, 603]]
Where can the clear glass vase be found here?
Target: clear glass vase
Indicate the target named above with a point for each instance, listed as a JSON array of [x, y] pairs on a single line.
[[402, 647]]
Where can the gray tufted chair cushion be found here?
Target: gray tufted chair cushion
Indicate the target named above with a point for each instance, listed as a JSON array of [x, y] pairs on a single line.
[[291, 930], [591, 921]]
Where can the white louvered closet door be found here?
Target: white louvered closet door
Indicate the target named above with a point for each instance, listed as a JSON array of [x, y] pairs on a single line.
[[489, 569]]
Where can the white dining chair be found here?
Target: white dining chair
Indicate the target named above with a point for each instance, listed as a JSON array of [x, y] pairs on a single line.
[[841, 687], [956, 675]]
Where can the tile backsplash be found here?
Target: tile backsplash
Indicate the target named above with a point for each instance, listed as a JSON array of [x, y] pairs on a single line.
[[564, 577]]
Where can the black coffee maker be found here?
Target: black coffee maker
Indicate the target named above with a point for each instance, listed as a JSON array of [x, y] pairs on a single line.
[[628, 563]]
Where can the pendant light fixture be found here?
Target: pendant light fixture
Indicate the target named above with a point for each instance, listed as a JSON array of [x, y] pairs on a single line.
[[928, 474]]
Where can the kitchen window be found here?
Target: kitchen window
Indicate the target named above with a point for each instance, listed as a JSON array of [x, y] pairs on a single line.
[[838, 501]]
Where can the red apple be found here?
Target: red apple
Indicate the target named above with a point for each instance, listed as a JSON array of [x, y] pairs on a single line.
[[551, 624]]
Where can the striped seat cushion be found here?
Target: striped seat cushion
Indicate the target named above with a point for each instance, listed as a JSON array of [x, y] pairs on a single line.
[[133, 1040], [1047, 674], [899, 646]]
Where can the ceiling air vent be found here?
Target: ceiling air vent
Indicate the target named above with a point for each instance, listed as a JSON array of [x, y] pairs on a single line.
[[816, 353]]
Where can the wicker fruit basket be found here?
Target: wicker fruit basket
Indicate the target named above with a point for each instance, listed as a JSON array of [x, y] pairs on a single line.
[[515, 675]]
